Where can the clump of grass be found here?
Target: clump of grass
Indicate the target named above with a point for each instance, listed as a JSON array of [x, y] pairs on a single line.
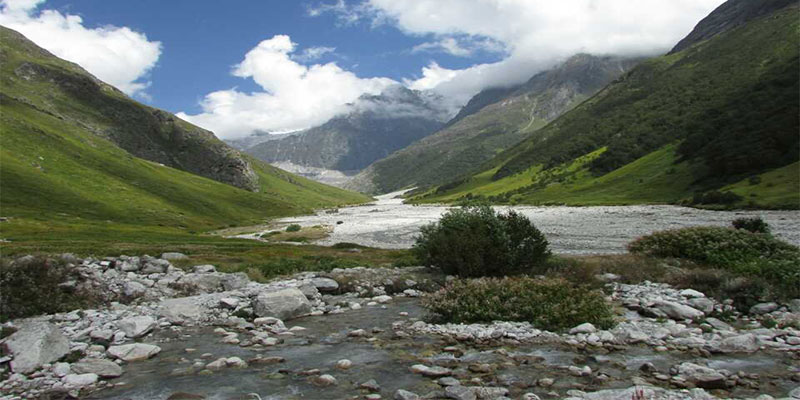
[[33, 285], [477, 241], [552, 304], [293, 228]]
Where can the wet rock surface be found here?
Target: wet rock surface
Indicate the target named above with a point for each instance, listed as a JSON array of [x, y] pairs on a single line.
[[369, 338]]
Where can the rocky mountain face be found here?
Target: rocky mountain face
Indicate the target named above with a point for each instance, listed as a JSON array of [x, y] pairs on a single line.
[[492, 121], [373, 128], [255, 139], [68, 92]]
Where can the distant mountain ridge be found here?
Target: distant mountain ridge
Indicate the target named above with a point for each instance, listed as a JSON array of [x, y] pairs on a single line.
[[255, 139], [492, 121], [373, 128]]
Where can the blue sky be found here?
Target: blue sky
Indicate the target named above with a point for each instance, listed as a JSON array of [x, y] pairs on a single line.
[[201, 41], [236, 67]]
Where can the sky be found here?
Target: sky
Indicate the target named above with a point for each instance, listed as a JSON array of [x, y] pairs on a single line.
[[240, 66]]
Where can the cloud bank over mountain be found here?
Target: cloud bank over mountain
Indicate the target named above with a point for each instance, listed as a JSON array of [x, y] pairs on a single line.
[[531, 35], [536, 34], [295, 96]]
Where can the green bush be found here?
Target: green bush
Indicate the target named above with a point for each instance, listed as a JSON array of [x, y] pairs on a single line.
[[755, 225], [293, 228], [476, 241], [32, 286], [715, 197], [743, 253], [552, 304]]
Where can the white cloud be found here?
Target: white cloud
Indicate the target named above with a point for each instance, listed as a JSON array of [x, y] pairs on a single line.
[[295, 96], [464, 46], [536, 34], [347, 14], [313, 53], [117, 55], [432, 76], [448, 45]]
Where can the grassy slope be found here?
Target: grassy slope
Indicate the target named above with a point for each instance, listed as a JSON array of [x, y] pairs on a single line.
[[463, 147], [453, 150], [650, 179], [660, 175], [59, 181], [656, 178], [779, 188]]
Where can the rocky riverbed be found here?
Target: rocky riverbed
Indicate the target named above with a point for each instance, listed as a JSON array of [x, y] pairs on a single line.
[[360, 333]]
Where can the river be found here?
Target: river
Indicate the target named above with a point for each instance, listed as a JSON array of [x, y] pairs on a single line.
[[388, 223]]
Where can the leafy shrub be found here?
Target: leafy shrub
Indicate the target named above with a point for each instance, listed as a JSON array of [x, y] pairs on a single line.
[[286, 266], [293, 228], [715, 197], [476, 241], [745, 291], [32, 285], [552, 304], [713, 245], [755, 225], [738, 251]]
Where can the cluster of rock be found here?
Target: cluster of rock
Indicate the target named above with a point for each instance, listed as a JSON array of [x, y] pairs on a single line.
[[147, 293], [83, 350], [658, 316], [665, 319]]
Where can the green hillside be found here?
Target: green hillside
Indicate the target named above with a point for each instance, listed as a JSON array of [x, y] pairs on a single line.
[[483, 130], [719, 115], [60, 177]]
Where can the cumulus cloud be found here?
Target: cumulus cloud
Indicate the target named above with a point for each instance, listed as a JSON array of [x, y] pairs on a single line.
[[294, 96], [536, 34], [117, 55]]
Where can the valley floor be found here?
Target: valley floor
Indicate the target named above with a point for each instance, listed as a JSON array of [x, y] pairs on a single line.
[[388, 223]]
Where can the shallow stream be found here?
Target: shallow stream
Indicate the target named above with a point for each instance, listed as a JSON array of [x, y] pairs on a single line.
[[387, 360]]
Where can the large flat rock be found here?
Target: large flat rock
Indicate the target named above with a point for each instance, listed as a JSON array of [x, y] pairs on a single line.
[[283, 304], [133, 351], [34, 344], [98, 366]]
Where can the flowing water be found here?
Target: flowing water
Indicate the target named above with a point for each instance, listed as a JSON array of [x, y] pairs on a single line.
[[388, 223], [387, 360]]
